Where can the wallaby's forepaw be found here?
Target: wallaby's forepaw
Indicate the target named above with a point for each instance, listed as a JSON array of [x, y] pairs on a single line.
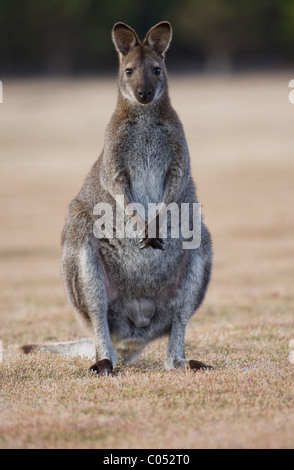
[[155, 243], [197, 365], [103, 367]]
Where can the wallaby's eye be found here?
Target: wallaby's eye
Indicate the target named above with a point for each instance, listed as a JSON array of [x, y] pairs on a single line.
[[129, 72], [157, 70]]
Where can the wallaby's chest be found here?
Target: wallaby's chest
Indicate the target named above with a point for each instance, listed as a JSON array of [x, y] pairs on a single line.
[[147, 156]]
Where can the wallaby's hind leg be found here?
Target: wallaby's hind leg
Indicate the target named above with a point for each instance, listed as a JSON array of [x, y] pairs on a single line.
[[175, 355], [83, 268], [194, 285]]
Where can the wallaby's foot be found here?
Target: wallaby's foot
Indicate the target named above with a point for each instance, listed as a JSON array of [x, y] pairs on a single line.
[[186, 364], [197, 365], [103, 367]]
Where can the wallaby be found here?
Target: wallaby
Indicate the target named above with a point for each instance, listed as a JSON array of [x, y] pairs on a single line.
[[133, 290]]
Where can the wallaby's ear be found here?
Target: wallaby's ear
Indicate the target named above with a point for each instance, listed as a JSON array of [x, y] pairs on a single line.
[[159, 37], [124, 38]]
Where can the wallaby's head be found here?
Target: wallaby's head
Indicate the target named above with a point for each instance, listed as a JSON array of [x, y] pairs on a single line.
[[142, 73]]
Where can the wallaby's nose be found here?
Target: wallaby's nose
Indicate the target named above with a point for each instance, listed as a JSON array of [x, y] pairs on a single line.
[[144, 95]]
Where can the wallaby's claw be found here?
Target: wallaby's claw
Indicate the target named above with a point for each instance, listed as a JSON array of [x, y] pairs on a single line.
[[197, 365], [158, 243], [103, 367], [155, 243]]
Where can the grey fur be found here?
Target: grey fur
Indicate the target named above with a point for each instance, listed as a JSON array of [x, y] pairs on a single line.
[[84, 347], [132, 296]]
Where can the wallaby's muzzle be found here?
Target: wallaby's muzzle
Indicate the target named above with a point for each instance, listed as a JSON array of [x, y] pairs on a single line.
[[145, 95]]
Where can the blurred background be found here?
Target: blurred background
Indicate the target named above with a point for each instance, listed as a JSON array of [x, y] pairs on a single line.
[[66, 37]]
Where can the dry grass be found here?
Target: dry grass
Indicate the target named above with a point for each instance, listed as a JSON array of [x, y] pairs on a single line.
[[240, 134]]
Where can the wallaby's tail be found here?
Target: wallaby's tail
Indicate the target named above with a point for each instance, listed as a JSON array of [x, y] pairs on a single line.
[[84, 347]]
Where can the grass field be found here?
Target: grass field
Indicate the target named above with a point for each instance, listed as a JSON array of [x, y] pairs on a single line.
[[241, 139]]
